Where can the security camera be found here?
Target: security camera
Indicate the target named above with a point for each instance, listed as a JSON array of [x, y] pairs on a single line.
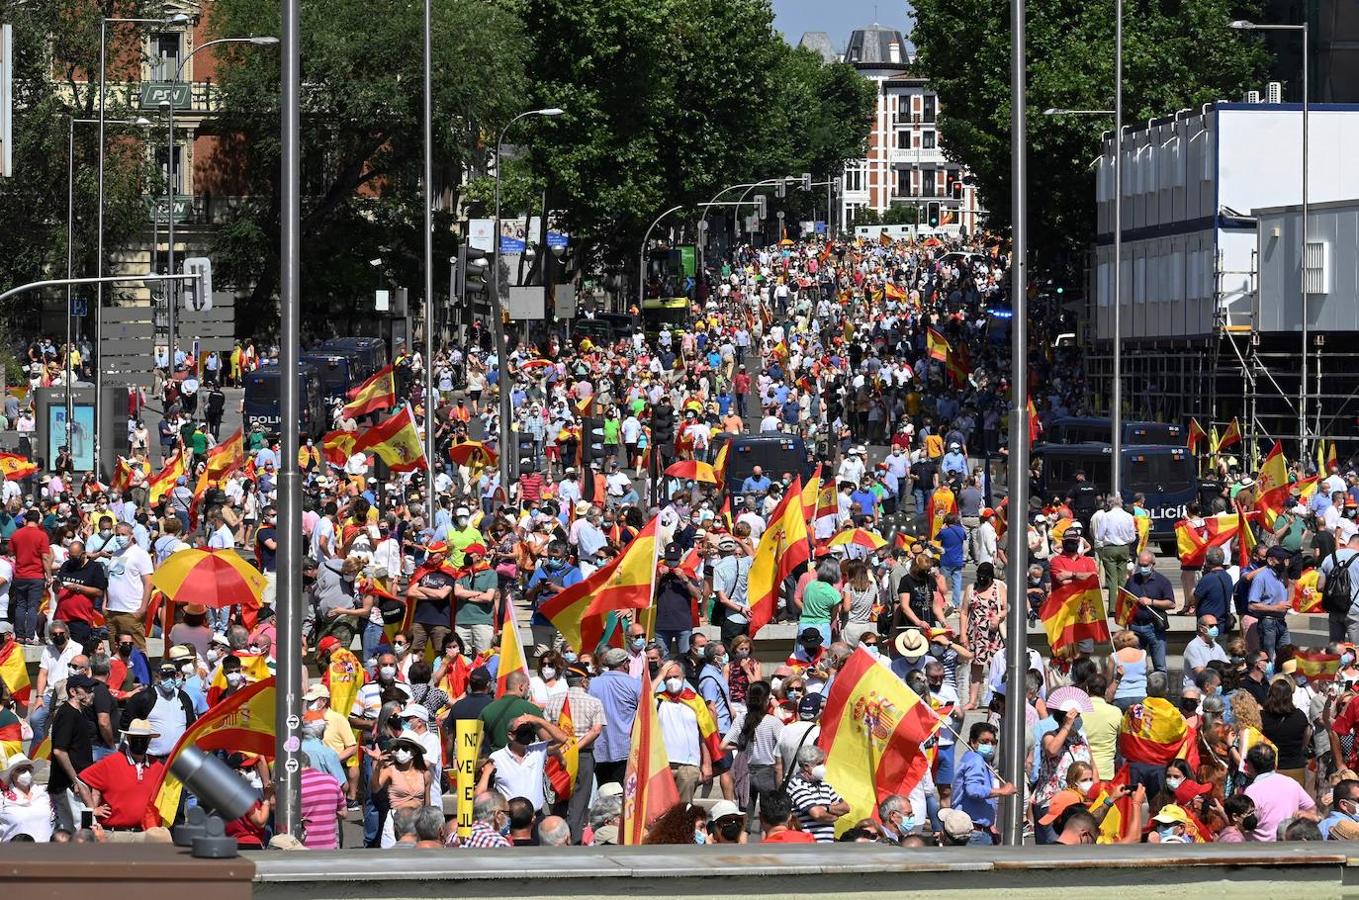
[[218, 789]]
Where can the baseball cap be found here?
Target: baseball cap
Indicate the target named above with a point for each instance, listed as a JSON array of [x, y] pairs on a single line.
[[809, 707], [723, 808], [479, 677], [1060, 803], [328, 644], [957, 824], [1171, 814]]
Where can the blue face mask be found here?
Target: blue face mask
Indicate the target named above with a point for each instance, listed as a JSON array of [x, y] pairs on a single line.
[[1269, 670], [986, 751], [908, 824], [1212, 632], [1301, 680]]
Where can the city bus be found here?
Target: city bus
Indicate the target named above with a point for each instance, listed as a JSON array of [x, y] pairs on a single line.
[[668, 313], [1166, 476], [261, 405]]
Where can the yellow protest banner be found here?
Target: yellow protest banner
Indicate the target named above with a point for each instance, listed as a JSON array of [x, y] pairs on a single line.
[[467, 746]]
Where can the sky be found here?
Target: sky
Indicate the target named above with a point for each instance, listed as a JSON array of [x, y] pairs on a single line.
[[837, 17]]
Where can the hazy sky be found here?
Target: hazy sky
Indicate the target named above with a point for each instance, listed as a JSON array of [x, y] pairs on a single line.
[[837, 17]]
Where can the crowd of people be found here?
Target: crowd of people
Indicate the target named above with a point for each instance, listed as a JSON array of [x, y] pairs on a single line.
[[889, 361]]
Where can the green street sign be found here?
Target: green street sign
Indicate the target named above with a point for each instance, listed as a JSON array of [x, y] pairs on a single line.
[[155, 208], [154, 93]]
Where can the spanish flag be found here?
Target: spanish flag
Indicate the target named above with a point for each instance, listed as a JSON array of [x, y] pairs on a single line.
[[1229, 437], [1193, 545], [377, 393], [1273, 473], [1196, 434], [1125, 609], [11, 739], [937, 346], [1317, 665], [254, 666], [707, 725], [649, 789], [122, 474], [941, 504], [1143, 526], [395, 441], [243, 723], [1035, 426], [783, 547], [1332, 460], [344, 676], [1246, 543], [561, 772], [810, 492], [226, 457], [720, 465], [512, 658], [893, 292], [14, 670], [959, 365], [1303, 595], [1118, 820], [338, 446], [1270, 504], [1074, 612], [580, 612], [164, 481], [872, 730], [1153, 732], [16, 467]]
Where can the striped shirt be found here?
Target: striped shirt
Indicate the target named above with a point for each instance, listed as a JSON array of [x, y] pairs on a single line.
[[322, 805], [586, 711], [806, 795], [764, 745]]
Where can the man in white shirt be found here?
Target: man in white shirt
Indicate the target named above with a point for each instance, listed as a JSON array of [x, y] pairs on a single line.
[[1202, 649], [1115, 534], [516, 769], [129, 590], [222, 537]]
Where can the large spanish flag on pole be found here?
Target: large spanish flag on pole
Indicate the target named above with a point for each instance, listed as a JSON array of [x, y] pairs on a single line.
[[872, 730], [1231, 436], [1074, 612], [14, 671], [783, 547], [1272, 503], [395, 441], [649, 789], [1273, 472], [581, 611], [810, 492], [17, 467], [338, 446], [375, 394], [226, 457], [243, 723], [1196, 434]]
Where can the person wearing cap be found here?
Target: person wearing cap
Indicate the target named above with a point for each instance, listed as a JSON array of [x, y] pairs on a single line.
[[677, 593], [1268, 601], [953, 465], [167, 706], [1343, 626], [476, 593], [619, 693], [553, 573], [25, 806], [72, 751], [731, 577], [415, 720], [124, 785]]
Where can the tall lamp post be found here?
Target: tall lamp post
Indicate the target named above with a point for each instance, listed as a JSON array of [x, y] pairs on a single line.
[[429, 259], [176, 19], [172, 295], [497, 312], [1243, 25], [138, 122]]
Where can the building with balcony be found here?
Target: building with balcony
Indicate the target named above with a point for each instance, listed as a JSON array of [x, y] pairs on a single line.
[[905, 165]]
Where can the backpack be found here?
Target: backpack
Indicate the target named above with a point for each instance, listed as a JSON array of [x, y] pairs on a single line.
[[1336, 596]]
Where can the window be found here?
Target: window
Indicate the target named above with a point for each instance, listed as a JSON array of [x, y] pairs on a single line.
[[903, 182], [927, 140], [929, 103], [161, 156], [854, 178], [165, 55], [927, 182]]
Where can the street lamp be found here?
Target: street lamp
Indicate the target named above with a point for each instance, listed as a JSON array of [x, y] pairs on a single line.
[[497, 324], [1060, 111], [176, 19], [172, 297], [1244, 25], [139, 122]]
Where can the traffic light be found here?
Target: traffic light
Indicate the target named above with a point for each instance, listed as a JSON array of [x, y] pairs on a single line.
[[932, 212], [838, 184], [761, 207], [806, 181], [780, 189], [198, 292]]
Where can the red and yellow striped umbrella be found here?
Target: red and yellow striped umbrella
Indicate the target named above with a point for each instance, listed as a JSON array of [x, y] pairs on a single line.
[[536, 366], [216, 578], [861, 536], [692, 470], [473, 454]]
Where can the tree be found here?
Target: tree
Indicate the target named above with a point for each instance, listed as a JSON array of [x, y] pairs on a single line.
[[362, 142], [55, 44], [1178, 54]]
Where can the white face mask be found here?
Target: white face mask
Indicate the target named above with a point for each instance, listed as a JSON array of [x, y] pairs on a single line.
[[1085, 786], [1174, 783], [23, 781], [819, 773], [402, 756], [549, 673], [387, 672], [253, 779], [674, 685]]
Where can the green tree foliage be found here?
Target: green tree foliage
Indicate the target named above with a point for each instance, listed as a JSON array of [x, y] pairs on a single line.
[[667, 101], [362, 141], [49, 89], [1178, 54]]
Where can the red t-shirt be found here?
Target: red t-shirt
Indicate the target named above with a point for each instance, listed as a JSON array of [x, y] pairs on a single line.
[[788, 837], [29, 545], [128, 796]]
